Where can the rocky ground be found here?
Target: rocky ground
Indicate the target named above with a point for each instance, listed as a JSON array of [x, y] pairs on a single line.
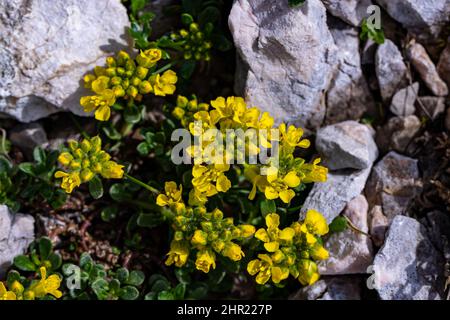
[[379, 116]]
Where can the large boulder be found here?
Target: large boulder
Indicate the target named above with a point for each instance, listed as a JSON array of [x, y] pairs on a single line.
[[47, 46], [350, 11], [16, 234], [287, 58]]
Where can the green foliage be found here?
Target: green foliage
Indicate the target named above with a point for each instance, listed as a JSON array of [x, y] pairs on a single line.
[[339, 224], [294, 3], [40, 255], [368, 31]]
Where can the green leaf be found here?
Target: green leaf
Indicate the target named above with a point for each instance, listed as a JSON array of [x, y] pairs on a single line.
[[45, 248], [122, 274], [24, 263], [100, 288], [96, 187], [150, 296], [111, 132], [294, 3], [132, 114], [199, 291], [129, 293], [179, 291], [136, 278], [268, 206], [148, 220], [166, 295], [137, 5], [109, 213], [160, 285], [27, 167], [143, 148], [85, 260], [209, 15], [5, 164], [187, 69], [39, 155], [186, 19], [221, 43], [183, 275], [339, 224], [369, 31]]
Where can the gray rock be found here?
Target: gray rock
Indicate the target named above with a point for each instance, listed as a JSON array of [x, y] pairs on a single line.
[[47, 47], [390, 69], [443, 66], [431, 107], [408, 267], [397, 133], [288, 58], [346, 145], [447, 120], [419, 16], [394, 182], [349, 96], [331, 288], [426, 69], [378, 225], [350, 252], [16, 234], [403, 101], [438, 225], [350, 11], [27, 137], [331, 197]]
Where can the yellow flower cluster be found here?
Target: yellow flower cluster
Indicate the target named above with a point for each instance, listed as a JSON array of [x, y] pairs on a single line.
[[83, 161], [38, 288], [194, 42], [279, 182], [126, 78], [185, 109], [290, 251], [209, 233]]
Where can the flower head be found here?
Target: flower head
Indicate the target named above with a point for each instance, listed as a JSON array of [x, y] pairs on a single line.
[[164, 84], [5, 294], [178, 254], [46, 285]]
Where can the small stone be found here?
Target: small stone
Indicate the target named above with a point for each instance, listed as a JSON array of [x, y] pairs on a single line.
[[27, 137], [434, 106], [394, 182], [350, 252], [397, 133], [312, 292], [16, 234], [443, 66], [408, 267], [390, 69], [342, 288], [345, 145], [403, 101], [426, 69], [378, 225], [350, 11], [331, 197]]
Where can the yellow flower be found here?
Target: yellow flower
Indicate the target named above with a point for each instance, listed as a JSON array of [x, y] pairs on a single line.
[[262, 267], [69, 180], [292, 137], [101, 103], [272, 220], [112, 170], [149, 58], [46, 285], [164, 84], [200, 238], [233, 251], [5, 294], [247, 230], [308, 273], [172, 197], [318, 252], [313, 172], [178, 254], [279, 274], [315, 223], [205, 259]]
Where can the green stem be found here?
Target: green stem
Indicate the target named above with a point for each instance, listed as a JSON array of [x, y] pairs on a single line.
[[83, 133], [142, 184], [166, 67], [354, 228]]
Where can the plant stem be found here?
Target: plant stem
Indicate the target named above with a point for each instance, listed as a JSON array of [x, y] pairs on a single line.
[[354, 228], [142, 184], [166, 67], [83, 133]]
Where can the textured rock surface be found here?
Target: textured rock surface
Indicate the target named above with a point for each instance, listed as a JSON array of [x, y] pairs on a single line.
[[447, 120], [390, 69], [378, 225], [403, 101], [427, 70], [349, 96], [27, 137], [287, 57], [434, 106], [394, 182], [443, 66], [408, 267], [350, 11], [46, 47], [438, 225], [347, 144], [331, 288], [16, 233], [397, 133], [417, 15], [331, 197], [350, 252]]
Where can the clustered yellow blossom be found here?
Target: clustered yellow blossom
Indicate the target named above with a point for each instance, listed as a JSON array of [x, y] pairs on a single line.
[[185, 109], [208, 233], [290, 251], [127, 78], [85, 160], [37, 290], [194, 42]]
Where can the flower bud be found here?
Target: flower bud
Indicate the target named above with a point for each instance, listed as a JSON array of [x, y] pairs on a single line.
[[85, 145], [135, 81], [65, 158], [75, 164], [193, 27], [132, 91], [120, 71], [118, 91], [183, 33], [141, 72], [145, 87], [122, 58], [73, 145], [111, 62], [86, 175], [111, 72]]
